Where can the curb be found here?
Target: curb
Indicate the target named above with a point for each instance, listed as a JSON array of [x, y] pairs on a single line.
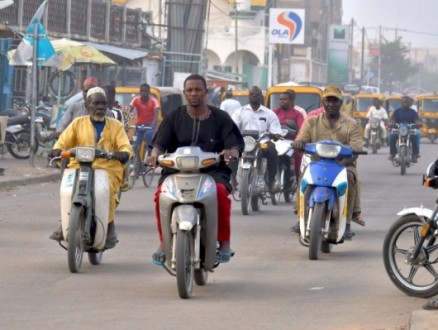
[[30, 180]]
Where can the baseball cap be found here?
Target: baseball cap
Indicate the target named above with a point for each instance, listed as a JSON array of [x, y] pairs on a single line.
[[332, 91]]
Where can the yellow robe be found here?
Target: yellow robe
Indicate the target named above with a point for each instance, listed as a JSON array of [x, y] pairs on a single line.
[[81, 133]]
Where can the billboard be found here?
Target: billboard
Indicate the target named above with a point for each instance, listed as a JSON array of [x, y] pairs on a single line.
[[338, 54], [286, 26]]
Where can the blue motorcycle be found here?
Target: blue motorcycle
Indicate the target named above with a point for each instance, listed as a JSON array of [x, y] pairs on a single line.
[[322, 196]]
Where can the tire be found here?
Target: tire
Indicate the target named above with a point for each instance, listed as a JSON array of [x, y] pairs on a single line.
[[275, 198], [148, 176], [201, 277], [316, 223], [245, 190], [402, 155], [374, 143], [414, 279], [326, 247], [184, 263], [75, 243], [95, 258], [133, 175], [20, 149], [255, 203]]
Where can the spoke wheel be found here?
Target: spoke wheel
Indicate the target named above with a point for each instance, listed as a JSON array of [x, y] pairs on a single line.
[[75, 241], [133, 174], [316, 223], [20, 148], [374, 143], [184, 263], [148, 176], [417, 278]]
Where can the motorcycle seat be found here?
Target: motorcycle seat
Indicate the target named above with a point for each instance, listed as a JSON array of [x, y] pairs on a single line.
[[18, 120]]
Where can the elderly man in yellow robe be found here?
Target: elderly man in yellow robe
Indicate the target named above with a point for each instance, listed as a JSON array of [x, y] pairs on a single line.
[[96, 130]]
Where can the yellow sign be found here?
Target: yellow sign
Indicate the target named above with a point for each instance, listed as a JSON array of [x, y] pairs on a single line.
[[119, 2]]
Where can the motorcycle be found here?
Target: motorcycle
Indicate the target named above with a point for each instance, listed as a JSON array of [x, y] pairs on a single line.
[[285, 155], [322, 197], [405, 135], [252, 168], [17, 137], [410, 246], [84, 195], [376, 134], [188, 209]]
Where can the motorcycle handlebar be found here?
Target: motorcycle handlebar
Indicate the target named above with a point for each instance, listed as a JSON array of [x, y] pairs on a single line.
[[362, 152]]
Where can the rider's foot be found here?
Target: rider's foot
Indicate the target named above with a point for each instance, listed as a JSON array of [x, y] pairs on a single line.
[[125, 186], [159, 257], [224, 253], [366, 145], [391, 157], [111, 236], [57, 235], [431, 305], [415, 158], [348, 234], [296, 228]]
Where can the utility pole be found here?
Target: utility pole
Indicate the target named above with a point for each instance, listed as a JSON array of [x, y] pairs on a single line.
[[236, 45], [379, 69], [350, 66], [362, 56]]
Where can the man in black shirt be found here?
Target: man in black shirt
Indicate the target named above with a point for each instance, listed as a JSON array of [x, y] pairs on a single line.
[[211, 129]]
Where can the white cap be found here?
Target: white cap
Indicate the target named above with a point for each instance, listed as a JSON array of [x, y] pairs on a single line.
[[95, 90]]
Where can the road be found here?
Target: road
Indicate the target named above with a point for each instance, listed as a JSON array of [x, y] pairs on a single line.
[[269, 284]]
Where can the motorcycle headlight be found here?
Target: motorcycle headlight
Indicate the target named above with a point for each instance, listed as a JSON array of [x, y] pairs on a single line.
[[187, 162], [85, 155], [327, 150], [250, 143], [404, 130]]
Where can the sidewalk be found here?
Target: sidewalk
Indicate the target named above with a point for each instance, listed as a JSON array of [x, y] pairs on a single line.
[[18, 172]]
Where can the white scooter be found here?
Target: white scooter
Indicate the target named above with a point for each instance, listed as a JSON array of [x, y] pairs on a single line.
[[188, 211], [84, 195]]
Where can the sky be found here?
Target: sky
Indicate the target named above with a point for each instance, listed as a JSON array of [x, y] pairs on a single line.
[[412, 15]]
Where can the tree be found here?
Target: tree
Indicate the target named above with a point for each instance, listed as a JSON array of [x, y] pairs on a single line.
[[396, 68]]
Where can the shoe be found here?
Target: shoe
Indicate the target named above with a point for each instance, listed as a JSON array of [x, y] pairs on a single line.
[[57, 235], [224, 257], [111, 237], [431, 305], [391, 157], [159, 258], [366, 145], [125, 186], [358, 218], [296, 228], [415, 158], [348, 234]]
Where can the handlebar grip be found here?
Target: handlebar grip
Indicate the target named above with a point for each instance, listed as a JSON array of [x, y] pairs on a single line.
[[362, 152]]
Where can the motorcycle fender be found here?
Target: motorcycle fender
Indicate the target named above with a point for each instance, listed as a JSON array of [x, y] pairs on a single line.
[[322, 194], [184, 217], [419, 211]]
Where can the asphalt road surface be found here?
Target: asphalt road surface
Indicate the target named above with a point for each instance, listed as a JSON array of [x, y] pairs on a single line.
[[269, 284]]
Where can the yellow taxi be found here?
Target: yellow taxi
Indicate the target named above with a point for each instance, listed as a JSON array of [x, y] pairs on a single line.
[[307, 97], [393, 101], [428, 112], [361, 104]]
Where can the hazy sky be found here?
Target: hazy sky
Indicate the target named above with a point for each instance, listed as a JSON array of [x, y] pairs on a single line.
[[413, 15]]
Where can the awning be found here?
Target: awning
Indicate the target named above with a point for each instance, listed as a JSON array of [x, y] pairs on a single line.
[[130, 54]]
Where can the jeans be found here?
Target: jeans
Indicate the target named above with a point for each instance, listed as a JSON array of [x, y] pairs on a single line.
[[415, 143], [272, 161], [143, 134]]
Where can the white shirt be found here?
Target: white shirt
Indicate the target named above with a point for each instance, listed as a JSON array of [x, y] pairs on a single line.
[[377, 113], [230, 105], [262, 120]]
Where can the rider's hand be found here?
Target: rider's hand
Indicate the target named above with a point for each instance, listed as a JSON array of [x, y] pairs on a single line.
[[151, 160], [298, 145], [230, 154], [121, 156], [274, 137], [55, 153]]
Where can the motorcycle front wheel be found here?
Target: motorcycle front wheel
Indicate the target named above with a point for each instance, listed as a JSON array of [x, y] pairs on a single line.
[[184, 263], [148, 176], [316, 223], [75, 242], [19, 147], [246, 190], [417, 278], [402, 155]]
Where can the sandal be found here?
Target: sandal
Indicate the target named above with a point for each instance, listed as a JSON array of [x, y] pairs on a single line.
[[224, 257], [431, 305], [358, 218], [348, 234], [159, 258]]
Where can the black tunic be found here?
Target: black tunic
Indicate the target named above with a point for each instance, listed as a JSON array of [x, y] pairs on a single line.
[[213, 134]]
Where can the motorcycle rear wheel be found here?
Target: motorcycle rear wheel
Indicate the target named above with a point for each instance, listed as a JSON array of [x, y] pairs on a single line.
[[201, 277], [316, 223], [95, 258], [148, 176], [374, 143], [75, 242], [184, 263], [20, 149], [417, 279]]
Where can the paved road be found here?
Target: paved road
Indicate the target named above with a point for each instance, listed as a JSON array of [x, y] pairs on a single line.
[[270, 283]]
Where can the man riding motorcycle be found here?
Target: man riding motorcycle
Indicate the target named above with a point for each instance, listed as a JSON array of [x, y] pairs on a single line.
[[257, 117], [376, 111]]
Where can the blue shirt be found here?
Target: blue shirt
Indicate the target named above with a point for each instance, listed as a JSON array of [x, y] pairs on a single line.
[[407, 116]]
